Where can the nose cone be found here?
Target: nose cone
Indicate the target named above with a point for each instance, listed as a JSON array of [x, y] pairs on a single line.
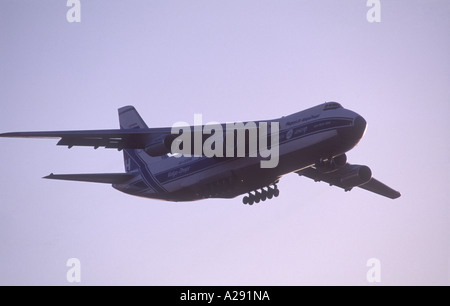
[[359, 126], [352, 135]]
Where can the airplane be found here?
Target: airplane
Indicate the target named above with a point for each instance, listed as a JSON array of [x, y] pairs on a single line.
[[312, 143]]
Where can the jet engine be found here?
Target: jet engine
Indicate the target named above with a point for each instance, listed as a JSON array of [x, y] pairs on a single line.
[[160, 145], [331, 164], [354, 176]]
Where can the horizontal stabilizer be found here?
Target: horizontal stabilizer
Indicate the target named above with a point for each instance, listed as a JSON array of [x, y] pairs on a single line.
[[106, 178], [118, 139]]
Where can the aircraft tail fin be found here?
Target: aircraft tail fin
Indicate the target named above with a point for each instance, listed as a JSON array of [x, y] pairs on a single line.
[[129, 118]]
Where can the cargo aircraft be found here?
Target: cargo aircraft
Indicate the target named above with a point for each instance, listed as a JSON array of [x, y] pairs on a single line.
[[311, 143]]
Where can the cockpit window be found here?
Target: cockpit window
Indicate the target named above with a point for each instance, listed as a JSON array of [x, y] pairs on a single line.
[[331, 105]]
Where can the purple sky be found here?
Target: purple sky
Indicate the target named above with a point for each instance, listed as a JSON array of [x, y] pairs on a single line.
[[230, 61]]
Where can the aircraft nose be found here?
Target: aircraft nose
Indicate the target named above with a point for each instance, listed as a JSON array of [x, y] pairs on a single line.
[[352, 135], [359, 125]]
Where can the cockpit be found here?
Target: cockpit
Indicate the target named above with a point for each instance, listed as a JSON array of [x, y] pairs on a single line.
[[331, 105]]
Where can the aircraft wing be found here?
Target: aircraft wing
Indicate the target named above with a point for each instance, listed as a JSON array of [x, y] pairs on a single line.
[[350, 176], [141, 138], [118, 139], [381, 189]]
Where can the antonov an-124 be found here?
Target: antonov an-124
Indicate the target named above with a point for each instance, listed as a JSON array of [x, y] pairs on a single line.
[[189, 163]]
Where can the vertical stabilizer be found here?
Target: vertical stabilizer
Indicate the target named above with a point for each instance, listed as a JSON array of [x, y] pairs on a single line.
[[129, 118]]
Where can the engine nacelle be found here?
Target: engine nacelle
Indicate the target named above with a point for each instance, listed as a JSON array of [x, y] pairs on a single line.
[[160, 146], [355, 176], [340, 160], [331, 165]]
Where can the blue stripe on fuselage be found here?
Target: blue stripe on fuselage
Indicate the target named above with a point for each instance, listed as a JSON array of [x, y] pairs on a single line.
[[145, 171]]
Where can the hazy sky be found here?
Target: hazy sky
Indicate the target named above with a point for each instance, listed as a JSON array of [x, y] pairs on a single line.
[[230, 61]]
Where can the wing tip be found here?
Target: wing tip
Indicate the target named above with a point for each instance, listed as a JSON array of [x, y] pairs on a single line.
[[50, 176], [125, 108], [8, 134], [396, 195]]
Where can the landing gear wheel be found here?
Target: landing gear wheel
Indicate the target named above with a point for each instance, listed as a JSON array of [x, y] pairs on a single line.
[[269, 193], [276, 192], [257, 197], [251, 199], [263, 195]]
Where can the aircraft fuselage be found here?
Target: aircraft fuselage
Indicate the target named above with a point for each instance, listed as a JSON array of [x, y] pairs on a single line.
[[305, 137]]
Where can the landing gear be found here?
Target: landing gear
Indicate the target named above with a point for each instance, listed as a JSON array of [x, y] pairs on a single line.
[[250, 199], [261, 195]]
